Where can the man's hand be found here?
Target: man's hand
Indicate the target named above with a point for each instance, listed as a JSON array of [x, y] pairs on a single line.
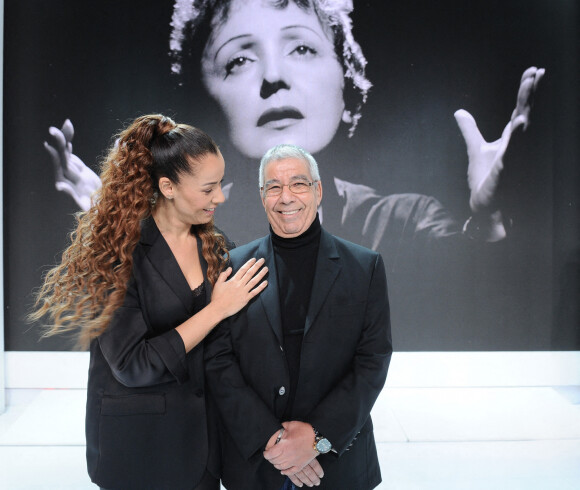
[[295, 450], [486, 159], [276, 436], [71, 174], [310, 475]]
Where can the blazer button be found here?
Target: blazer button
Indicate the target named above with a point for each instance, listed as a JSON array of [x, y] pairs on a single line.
[[281, 391], [199, 392]]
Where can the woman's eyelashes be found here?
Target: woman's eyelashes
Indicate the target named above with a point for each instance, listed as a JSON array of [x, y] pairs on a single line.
[[303, 50], [213, 188], [238, 63], [241, 61]]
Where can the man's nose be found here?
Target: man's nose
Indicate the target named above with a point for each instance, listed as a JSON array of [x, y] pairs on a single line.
[[287, 195]]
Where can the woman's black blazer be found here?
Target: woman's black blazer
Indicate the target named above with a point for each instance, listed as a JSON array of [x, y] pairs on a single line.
[[147, 421]]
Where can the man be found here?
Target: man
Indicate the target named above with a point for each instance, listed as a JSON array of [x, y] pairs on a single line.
[[296, 373]]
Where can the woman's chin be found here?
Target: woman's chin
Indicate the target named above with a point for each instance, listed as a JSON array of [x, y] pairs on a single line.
[[254, 146]]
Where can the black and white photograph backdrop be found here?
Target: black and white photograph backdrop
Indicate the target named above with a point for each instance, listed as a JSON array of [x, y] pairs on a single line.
[[485, 261]]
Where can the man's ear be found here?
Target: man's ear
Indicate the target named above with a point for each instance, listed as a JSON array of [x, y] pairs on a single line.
[[263, 198]]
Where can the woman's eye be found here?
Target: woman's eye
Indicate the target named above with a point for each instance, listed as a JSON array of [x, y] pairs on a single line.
[[236, 64], [304, 50]]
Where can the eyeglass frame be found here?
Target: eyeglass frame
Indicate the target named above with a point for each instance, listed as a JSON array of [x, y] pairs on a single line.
[[308, 183]]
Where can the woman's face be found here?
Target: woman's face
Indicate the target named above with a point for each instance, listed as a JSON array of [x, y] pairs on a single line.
[[276, 76], [194, 199]]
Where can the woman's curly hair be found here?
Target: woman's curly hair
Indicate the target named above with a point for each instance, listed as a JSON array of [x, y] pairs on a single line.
[[81, 293]]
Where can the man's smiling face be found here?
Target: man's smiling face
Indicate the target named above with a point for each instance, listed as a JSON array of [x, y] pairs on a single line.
[[290, 214]]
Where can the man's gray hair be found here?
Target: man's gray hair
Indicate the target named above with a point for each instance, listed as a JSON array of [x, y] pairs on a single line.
[[281, 152]]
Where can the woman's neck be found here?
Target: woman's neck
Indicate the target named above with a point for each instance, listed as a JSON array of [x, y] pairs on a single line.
[[169, 225]]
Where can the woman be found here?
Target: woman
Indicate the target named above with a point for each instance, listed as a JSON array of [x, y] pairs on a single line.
[[281, 71], [290, 71], [143, 283]]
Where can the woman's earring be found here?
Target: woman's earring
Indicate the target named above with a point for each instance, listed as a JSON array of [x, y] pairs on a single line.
[[346, 117]]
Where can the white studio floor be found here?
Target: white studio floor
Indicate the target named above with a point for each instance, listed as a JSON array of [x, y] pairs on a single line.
[[440, 438]]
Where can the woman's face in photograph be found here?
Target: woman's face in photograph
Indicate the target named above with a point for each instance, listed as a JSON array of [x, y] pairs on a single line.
[[276, 77]]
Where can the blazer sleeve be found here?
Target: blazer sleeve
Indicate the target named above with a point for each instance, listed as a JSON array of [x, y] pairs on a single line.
[[247, 418], [135, 357], [341, 414]]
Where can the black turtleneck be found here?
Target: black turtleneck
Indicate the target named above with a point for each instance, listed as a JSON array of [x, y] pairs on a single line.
[[295, 266]]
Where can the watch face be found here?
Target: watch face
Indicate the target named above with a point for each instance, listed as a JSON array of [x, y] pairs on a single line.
[[323, 445]]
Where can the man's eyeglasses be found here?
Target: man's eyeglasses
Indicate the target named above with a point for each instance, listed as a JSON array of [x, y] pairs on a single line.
[[299, 187]]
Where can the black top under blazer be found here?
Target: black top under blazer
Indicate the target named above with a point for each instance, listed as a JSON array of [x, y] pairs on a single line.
[[147, 425], [345, 355]]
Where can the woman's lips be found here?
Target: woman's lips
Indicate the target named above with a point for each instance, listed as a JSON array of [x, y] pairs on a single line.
[[279, 118]]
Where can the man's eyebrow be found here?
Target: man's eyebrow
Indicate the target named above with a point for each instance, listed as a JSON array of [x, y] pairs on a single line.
[[293, 178]]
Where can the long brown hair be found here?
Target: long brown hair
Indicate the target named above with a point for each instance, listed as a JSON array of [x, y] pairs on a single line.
[[82, 293]]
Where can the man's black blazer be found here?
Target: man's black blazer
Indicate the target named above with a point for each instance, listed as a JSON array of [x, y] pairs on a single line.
[[345, 355], [146, 421]]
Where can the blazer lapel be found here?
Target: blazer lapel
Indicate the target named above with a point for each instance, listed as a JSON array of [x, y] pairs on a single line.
[[328, 267], [270, 297], [202, 261], [162, 259]]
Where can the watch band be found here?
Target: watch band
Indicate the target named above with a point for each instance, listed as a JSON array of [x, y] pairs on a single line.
[[318, 437]]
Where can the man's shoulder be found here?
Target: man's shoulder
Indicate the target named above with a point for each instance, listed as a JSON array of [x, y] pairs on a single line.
[[243, 252]]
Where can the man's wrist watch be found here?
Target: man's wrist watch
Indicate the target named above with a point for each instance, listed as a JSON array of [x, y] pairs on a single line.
[[321, 444]]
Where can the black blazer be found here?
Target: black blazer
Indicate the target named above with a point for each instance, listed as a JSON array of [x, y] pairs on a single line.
[[147, 422], [345, 355]]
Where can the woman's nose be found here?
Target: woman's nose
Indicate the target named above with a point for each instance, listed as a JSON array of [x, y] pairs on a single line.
[[219, 197], [270, 88], [274, 77]]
